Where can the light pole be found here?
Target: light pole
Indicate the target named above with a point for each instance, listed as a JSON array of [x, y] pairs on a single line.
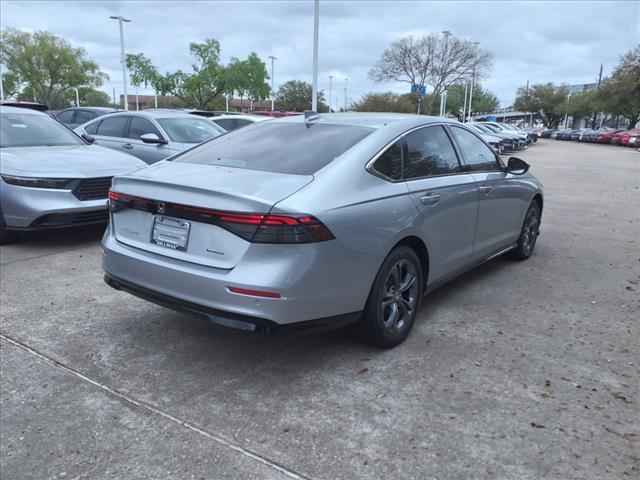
[[316, 18], [77, 97], [464, 108], [473, 77], [122, 20], [330, 90], [566, 112], [273, 59], [1, 84], [346, 83]]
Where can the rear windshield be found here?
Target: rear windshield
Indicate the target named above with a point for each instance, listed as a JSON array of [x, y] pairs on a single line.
[[292, 148]]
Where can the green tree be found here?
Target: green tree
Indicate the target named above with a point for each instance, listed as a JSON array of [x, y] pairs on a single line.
[[549, 101], [383, 102], [47, 65], [295, 95], [483, 101], [141, 71], [585, 105], [620, 93], [432, 60]]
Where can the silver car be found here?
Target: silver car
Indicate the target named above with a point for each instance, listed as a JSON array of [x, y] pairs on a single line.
[[151, 135], [319, 221], [50, 177]]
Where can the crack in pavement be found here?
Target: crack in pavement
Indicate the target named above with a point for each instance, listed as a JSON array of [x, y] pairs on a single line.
[[150, 408]]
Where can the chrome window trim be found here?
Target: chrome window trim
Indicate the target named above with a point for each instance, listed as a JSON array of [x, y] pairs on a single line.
[[369, 165]]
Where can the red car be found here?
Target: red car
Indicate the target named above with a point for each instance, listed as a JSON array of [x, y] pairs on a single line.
[[622, 138], [605, 137]]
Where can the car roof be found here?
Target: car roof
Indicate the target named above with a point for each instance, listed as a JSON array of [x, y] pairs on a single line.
[[367, 119], [28, 111], [95, 109], [152, 113]]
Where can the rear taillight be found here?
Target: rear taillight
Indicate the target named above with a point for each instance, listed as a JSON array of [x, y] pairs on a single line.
[[276, 228], [253, 227]]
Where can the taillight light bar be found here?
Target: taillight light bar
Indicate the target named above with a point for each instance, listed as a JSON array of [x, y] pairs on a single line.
[[253, 227], [254, 293]]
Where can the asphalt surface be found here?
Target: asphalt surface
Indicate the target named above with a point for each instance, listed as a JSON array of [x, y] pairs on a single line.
[[517, 370]]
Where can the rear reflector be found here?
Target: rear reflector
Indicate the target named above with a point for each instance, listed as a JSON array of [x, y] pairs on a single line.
[[253, 227], [254, 293]]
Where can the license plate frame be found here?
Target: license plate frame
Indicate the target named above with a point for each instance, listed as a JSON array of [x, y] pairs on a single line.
[[171, 233]]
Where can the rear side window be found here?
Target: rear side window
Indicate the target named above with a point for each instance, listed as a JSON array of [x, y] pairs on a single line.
[[389, 163], [292, 148], [478, 156], [113, 126], [429, 153]]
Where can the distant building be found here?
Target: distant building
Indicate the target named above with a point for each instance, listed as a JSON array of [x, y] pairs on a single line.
[[582, 87]]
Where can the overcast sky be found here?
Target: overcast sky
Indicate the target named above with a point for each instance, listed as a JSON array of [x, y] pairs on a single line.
[[560, 42]]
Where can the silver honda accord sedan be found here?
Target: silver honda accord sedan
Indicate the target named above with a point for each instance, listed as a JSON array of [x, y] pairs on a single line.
[[49, 176], [319, 221]]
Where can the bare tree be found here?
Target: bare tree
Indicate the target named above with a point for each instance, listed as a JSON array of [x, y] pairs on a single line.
[[432, 60]]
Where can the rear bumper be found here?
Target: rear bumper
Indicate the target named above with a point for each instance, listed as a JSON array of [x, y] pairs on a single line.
[[229, 319], [316, 281]]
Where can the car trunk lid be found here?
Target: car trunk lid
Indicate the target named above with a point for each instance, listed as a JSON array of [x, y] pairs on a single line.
[[168, 218]]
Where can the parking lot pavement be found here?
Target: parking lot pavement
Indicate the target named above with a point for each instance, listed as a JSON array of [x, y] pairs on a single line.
[[517, 370]]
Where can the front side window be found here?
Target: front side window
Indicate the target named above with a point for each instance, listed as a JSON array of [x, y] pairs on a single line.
[[34, 130], [389, 163], [113, 126], [139, 126], [429, 153], [92, 129], [190, 130], [478, 156]]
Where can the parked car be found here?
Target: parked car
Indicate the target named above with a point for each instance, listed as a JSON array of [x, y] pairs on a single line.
[[74, 117], [231, 122], [319, 221], [577, 134], [508, 141], [546, 133], [565, 134], [150, 135], [505, 128], [50, 177], [517, 142], [625, 138], [495, 142], [606, 136]]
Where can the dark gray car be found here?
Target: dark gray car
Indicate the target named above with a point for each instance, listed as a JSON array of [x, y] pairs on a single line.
[[74, 117], [151, 136]]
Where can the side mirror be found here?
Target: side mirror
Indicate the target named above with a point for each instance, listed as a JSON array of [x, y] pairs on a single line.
[[517, 166], [152, 138], [88, 138]]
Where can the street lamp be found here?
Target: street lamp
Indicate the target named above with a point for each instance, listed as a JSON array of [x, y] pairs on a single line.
[[346, 82], [273, 59], [314, 92], [330, 90], [122, 20], [77, 97], [473, 77]]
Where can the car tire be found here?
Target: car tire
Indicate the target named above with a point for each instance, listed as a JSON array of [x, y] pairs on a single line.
[[529, 233], [394, 300]]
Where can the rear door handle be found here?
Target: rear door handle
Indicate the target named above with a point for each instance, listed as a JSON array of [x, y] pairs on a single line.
[[128, 146], [485, 189], [430, 199]]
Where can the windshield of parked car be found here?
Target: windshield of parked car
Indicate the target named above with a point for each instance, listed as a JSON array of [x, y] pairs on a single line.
[[34, 130], [190, 130], [292, 148]]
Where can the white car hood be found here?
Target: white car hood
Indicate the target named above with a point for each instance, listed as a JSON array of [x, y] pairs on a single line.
[[71, 161]]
